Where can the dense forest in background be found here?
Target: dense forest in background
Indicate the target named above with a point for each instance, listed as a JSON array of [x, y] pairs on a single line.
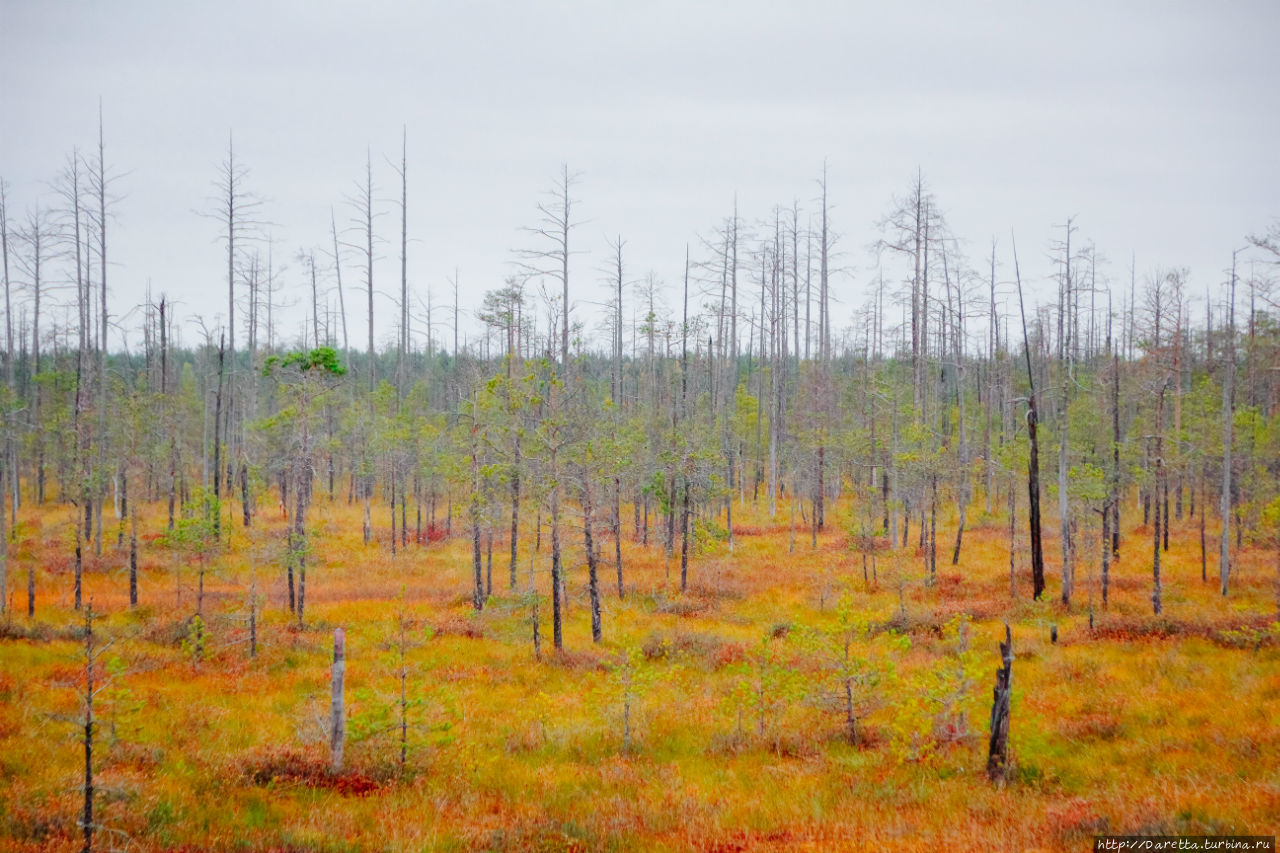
[[754, 382]]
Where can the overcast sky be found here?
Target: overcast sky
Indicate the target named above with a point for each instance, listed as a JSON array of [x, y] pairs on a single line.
[[1155, 124]]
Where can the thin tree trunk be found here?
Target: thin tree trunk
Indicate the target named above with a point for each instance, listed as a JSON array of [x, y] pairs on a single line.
[[1106, 551], [1161, 510], [1228, 405], [593, 581], [617, 532], [337, 703], [90, 655], [515, 511], [684, 540], [557, 633], [998, 746], [133, 555], [1033, 464]]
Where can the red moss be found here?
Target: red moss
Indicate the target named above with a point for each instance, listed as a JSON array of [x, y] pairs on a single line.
[[289, 767]]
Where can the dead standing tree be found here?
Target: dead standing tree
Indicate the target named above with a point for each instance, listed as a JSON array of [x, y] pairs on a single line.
[[236, 210], [1228, 406], [1033, 465], [337, 704], [998, 747], [86, 722], [363, 203], [553, 229]]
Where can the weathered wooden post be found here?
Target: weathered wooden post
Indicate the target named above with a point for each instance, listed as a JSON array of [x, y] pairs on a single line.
[[998, 751], [337, 712]]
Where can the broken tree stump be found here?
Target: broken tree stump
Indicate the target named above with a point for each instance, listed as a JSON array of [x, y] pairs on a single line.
[[998, 751]]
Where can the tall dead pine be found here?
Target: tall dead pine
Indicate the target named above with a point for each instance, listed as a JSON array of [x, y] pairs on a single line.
[[998, 750], [1033, 462]]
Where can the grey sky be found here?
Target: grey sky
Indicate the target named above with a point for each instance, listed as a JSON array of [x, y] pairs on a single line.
[[1154, 123]]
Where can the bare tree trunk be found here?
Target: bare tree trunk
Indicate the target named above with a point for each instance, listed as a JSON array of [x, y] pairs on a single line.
[[515, 510], [90, 657], [402, 362], [79, 570], [557, 632], [965, 484], [933, 527], [1013, 548], [342, 302], [998, 746], [684, 540], [1106, 551], [217, 444], [593, 581], [133, 555], [617, 532], [1204, 560], [301, 489], [253, 617], [1066, 349], [367, 527], [1161, 508], [337, 705], [1228, 406], [1033, 464], [99, 184], [477, 563], [488, 561], [1115, 452]]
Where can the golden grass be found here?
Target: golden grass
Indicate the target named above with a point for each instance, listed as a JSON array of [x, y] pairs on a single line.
[[1140, 725]]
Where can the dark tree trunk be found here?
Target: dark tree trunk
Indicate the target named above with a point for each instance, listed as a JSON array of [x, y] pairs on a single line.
[[593, 580], [253, 618], [217, 447], [1106, 551], [617, 532], [245, 506], [133, 555], [998, 747], [300, 540], [1160, 492], [557, 633], [1033, 464], [86, 817], [933, 527], [79, 576], [1164, 509], [819, 509], [684, 540], [1204, 560], [1033, 493], [515, 511], [293, 600], [477, 564], [1115, 453]]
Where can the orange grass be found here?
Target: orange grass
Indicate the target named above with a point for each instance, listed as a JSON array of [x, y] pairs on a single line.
[[1138, 726]]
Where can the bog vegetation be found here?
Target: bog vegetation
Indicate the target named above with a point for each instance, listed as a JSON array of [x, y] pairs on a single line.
[[747, 568]]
